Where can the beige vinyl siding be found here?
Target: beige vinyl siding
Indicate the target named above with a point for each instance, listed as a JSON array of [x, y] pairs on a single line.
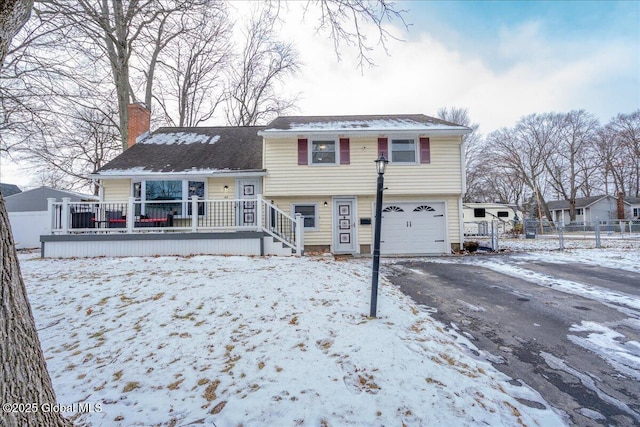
[[116, 190], [215, 188], [285, 177], [323, 234], [365, 210]]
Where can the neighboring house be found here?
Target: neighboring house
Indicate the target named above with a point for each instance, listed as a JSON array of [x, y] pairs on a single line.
[[478, 217], [9, 190], [588, 209], [634, 207], [28, 213], [217, 180]]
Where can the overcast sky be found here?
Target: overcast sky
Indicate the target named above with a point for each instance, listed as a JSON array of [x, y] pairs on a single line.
[[501, 60]]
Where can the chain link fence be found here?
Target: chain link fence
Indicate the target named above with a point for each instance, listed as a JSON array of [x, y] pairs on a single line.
[[488, 235]]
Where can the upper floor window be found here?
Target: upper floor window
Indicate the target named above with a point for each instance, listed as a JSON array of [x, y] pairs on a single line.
[[403, 150], [323, 152]]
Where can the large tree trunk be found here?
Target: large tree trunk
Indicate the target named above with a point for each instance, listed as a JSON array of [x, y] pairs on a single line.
[[25, 385]]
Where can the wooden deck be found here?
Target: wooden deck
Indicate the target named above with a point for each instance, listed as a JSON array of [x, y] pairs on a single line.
[[135, 228]]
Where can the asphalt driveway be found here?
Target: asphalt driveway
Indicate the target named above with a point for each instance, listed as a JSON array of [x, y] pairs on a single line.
[[573, 349]]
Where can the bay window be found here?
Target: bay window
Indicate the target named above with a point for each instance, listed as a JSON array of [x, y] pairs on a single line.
[[170, 196]]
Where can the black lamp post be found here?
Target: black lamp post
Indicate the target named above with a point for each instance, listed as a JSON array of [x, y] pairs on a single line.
[[381, 166]]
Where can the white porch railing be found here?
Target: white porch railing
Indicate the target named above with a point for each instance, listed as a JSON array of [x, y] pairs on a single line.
[[195, 216]]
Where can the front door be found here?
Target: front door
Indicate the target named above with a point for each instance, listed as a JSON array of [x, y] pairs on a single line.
[[344, 225], [247, 191]]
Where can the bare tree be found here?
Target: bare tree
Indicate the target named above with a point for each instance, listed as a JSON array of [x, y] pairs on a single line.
[[346, 22], [24, 371], [191, 74], [119, 31], [624, 135], [500, 184], [91, 139], [572, 156], [525, 150], [252, 97], [612, 166], [171, 53], [33, 73], [472, 151]]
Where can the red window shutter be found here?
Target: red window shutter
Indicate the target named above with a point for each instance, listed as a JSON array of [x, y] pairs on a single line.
[[345, 155], [383, 147], [425, 150], [303, 152]]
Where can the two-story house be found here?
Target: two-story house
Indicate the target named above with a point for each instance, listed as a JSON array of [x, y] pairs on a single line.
[[323, 168], [190, 186]]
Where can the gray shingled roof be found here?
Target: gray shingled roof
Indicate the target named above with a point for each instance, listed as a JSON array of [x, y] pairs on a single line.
[[582, 202], [9, 189], [385, 122], [189, 150], [36, 199], [633, 200]]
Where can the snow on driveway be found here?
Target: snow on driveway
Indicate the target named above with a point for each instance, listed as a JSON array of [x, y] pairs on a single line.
[[256, 341]]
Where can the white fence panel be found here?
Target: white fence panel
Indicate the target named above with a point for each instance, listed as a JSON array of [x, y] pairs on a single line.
[[27, 228]]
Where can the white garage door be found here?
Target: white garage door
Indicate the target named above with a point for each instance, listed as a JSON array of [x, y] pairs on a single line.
[[413, 228]]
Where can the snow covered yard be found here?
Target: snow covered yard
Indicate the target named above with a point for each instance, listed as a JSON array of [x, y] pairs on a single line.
[[550, 243], [231, 341]]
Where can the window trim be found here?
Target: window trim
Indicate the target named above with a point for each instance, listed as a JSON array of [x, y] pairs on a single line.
[[336, 145], [416, 149], [316, 216]]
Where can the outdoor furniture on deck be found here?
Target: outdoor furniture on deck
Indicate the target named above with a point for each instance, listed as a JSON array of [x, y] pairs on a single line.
[[115, 219], [155, 219], [82, 220]]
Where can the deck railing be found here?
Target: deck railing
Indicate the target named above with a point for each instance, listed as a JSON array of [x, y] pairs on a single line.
[[195, 215]]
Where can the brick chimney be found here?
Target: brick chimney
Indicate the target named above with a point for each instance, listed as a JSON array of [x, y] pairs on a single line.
[[621, 205], [139, 122]]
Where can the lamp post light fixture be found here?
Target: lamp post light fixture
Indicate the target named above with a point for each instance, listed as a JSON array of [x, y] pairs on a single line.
[[381, 166]]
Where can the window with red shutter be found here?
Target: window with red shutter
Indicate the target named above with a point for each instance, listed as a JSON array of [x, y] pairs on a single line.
[[345, 154], [303, 152], [425, 150], [383, 147]]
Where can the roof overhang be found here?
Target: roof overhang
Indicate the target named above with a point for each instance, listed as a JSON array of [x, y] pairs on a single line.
[[609, 197], [178, 175], [368, 132]]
